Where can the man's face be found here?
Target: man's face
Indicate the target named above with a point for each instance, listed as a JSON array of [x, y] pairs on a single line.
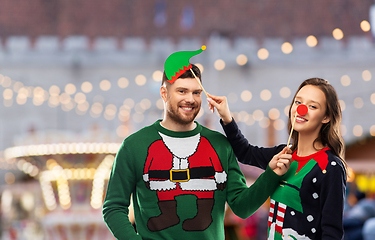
[[183, 100]]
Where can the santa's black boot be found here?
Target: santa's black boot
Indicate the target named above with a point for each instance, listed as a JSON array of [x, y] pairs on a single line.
[[166, 219], [203, 219]]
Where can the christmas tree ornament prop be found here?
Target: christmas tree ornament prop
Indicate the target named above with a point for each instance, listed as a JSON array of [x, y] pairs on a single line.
[[178, 63], [301, 110]]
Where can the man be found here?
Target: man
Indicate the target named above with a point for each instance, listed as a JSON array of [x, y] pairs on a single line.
[[181, 174]]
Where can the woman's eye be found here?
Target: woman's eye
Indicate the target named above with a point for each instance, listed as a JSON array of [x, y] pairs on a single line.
[[313, 107], [297, 102]]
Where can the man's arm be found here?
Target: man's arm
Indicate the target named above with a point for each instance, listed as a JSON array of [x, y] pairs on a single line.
[[243, 200], [116, 204]]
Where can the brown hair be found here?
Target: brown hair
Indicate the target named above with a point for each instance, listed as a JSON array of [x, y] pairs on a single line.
[[186, 74], [329, 134]]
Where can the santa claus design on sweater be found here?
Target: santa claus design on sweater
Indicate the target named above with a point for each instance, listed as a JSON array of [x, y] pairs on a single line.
[[181, 166]]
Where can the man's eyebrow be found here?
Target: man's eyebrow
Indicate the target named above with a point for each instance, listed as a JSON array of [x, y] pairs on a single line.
[[184, 88]]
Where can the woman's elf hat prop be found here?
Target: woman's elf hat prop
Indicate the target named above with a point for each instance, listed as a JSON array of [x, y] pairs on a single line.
[[178, 63]]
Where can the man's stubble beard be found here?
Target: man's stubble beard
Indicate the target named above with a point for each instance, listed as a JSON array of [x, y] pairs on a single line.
[[174, 115]]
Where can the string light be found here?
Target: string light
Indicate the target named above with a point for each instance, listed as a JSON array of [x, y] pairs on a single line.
[[273, 114], [372, 130], [366, 75], [286, 48], [105, 85], [342, 105], [345, 80], [86, 87], [157, 76], [241, 59], [357, 130], [258, 115], [54, 98], [263, 54], [219, 64], [246, 96], [279, 124], [140, 80], [337, 34], [265, 95], [365, 26], [311, 41], [70, 88]]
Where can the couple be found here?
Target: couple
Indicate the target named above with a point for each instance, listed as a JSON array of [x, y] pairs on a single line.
[[181, 174]]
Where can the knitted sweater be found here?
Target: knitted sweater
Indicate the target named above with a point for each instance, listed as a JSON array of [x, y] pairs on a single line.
[[180, 182], [309, 202]]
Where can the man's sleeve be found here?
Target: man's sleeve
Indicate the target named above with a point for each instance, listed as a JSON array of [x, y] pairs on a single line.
[[245, 152], [243, 200], [121, 184]]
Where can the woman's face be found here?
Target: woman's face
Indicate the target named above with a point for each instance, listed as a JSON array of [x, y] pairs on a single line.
[[312, 121]]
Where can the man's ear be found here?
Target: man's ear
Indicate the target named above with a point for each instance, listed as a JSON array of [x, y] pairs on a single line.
[[164, 93]]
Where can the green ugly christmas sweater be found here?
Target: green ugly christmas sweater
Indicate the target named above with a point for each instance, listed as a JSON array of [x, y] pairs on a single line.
[[180, 182]]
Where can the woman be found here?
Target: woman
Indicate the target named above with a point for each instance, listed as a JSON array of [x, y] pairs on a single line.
[[309, 202]]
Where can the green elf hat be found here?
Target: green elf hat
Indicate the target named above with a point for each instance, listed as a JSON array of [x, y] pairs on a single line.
[[177, 63]]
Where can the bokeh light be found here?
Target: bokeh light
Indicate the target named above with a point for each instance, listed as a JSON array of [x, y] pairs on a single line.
[[265, 95], [286, 47], [342, 104], [70, 88], [140, 80], [263, 54], [105, 85], [337, 34], [86, 87], [241, 59], [311, 41], [357, 130], [273, 113], [246, 96], [219, 64], [358, 102], [372, 130], [258, 115], [123, 82], [285, 92], [365, 26], [366, 75], [279, 124], [157, 76], [345, 80]]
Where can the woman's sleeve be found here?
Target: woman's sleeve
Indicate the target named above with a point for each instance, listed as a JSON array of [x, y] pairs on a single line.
[[332, 202], [245, 152]]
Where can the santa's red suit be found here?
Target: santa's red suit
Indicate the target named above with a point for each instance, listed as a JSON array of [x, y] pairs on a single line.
[[176, 166]]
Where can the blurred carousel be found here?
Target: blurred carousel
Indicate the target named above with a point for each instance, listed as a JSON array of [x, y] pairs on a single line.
[[72, 172]]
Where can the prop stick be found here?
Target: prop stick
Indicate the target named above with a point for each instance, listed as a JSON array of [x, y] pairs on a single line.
[[198, 82], [301, 110]]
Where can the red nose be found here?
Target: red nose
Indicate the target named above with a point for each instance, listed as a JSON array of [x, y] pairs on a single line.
[[302, 109]]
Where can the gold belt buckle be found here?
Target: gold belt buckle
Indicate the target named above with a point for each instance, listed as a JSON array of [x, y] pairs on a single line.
[[177, 171]]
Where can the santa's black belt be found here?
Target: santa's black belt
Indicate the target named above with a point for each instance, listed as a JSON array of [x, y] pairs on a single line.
[[182, 175]]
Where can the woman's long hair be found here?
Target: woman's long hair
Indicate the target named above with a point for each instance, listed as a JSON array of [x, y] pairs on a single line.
[[329, 134]]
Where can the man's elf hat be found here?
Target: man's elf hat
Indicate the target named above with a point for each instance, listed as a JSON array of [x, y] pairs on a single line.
[[177, 63]]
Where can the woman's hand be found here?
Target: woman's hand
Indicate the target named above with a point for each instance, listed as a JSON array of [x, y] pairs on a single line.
[[280, 163], [221, 104]]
